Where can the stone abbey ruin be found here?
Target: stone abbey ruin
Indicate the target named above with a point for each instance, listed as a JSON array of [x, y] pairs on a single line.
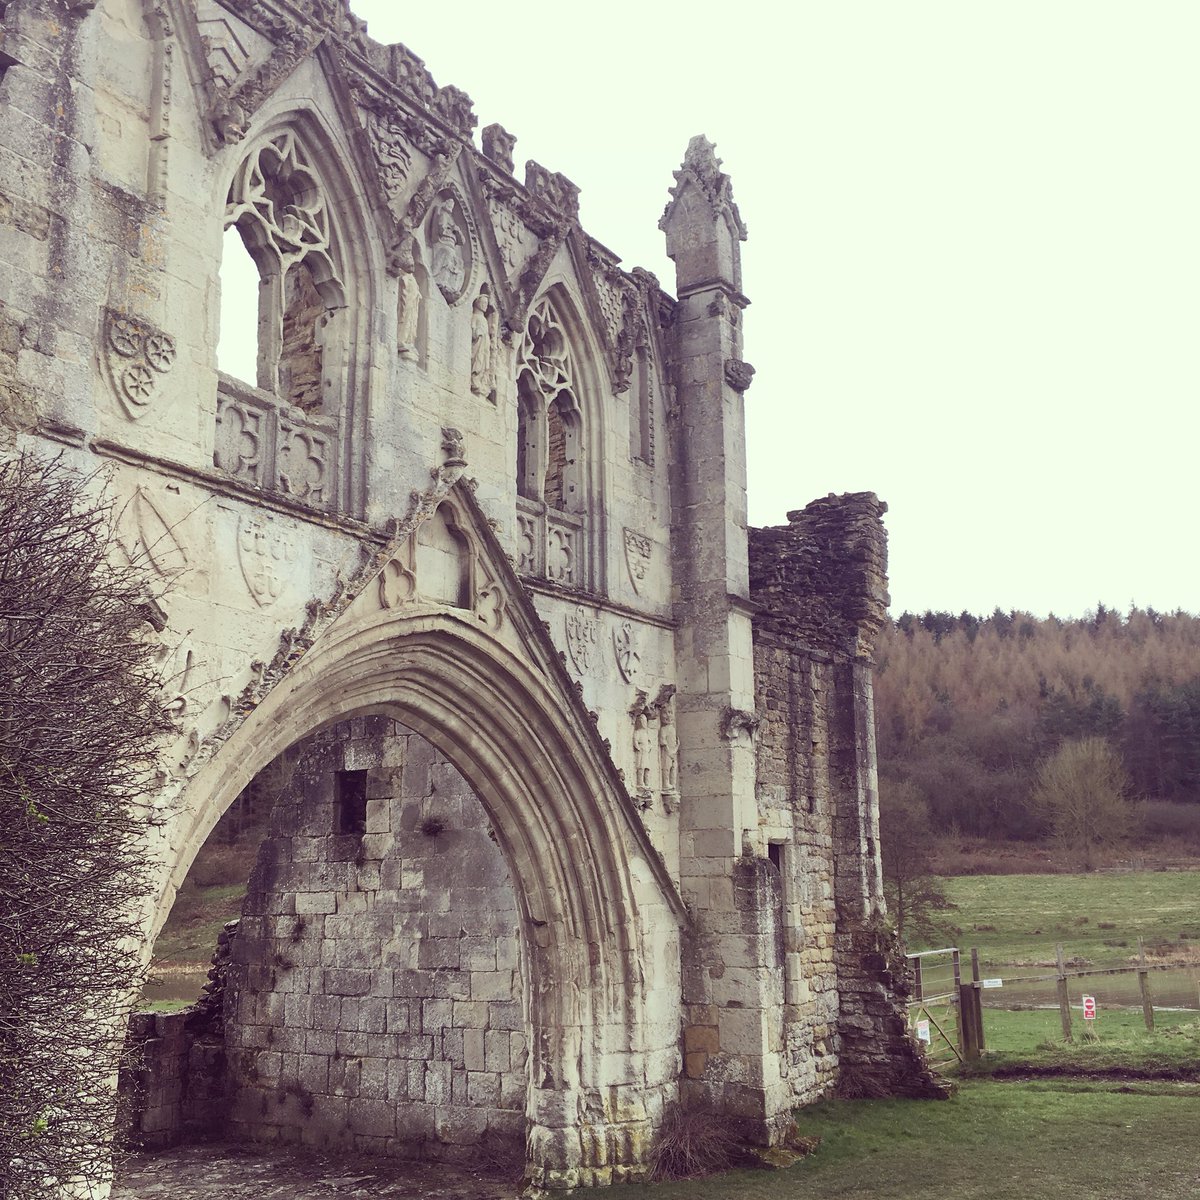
[[575, 810]]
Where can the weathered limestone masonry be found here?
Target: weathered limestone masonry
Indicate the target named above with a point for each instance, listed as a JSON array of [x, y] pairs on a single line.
[[475, 522], [820, 584], [325, 1046]]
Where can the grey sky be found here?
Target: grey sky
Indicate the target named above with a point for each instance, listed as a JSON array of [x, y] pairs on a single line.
[[973, 259]]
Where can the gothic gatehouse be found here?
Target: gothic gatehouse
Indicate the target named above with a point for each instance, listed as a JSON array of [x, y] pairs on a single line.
[[574, 810]]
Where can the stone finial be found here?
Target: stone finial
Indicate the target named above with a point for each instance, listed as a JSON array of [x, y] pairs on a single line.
[[702, 223], [454, 106], [553, 188], [408, 71], [498, 145], [702, 169]]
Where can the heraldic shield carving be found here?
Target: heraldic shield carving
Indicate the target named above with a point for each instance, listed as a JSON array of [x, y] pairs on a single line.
[[583, 638], [265, 554], [136, 357]]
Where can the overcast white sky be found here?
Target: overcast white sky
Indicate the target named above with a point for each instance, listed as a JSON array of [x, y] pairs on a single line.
[[974, 256]]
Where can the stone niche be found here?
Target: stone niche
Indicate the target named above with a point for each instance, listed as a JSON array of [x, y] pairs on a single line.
[[374, 998]]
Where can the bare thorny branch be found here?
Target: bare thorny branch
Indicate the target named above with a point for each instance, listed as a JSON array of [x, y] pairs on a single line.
[[81, 722]]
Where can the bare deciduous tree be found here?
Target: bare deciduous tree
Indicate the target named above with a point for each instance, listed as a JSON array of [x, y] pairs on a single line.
[[915, 895], [1080, 793], [80, 721]]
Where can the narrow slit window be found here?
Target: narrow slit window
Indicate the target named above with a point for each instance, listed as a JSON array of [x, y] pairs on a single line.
[[350, 800]]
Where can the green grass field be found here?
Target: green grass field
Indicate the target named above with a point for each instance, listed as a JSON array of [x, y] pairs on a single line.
[[190, 934], [1017, 919], [993, 1141]]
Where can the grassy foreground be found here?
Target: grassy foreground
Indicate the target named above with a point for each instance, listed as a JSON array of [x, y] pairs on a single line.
[[1017, 919], [993, 1141], [1118, 1043]]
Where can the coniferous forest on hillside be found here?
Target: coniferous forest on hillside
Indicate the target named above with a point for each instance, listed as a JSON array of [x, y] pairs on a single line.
[[970, 709]]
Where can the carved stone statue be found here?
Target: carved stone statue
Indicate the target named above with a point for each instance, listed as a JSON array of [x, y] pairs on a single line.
[[668, 748], [642, 746], [449, 266], [409, 316], [481, 345]]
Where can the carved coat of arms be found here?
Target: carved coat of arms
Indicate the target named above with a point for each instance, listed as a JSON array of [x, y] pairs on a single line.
[[136, 356], [583, 636], [629, 660], [266, 552], [637, 557]]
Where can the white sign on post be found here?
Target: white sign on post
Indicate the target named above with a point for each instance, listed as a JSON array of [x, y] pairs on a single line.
[[1089, 1008], [923, 1032]]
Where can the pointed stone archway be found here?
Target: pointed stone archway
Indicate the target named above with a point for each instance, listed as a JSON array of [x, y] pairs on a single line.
[[599, 919]]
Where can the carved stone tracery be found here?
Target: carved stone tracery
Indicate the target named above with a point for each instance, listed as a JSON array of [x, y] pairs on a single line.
[[279, 206], [282, 434]]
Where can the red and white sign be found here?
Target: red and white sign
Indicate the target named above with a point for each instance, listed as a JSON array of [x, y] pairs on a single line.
[[1089, 1008]]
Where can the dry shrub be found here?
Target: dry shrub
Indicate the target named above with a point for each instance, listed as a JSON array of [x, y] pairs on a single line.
[[81, 721], [690, 1144]]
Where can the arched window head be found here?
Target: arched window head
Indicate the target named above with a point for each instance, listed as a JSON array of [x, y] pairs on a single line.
[[278, 206], [282, 431], [549, 429], [552, 491]]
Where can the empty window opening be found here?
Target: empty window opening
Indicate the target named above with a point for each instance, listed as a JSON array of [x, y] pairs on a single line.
[[561, 490], [556, 465], [237, 347], [779, 901], [350, 802], [527, 445], [300, 356]]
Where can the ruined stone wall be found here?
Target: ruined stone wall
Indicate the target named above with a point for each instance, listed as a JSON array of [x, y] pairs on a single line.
[[375, 994], [172, 1086], [795, 800], [821, 584]]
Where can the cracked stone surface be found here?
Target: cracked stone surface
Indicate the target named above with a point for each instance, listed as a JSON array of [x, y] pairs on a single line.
[[293, 1173]]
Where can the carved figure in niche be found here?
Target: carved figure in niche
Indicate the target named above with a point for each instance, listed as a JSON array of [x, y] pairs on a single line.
[[408, 319], [481, 345], [449, 265], [642, 749], [668, 747]]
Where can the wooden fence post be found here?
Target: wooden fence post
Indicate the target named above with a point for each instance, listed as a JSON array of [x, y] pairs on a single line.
[[969, 1021], [1144, 987], [978, 995], [965, 1041], [1064, 1002], [917, 978]]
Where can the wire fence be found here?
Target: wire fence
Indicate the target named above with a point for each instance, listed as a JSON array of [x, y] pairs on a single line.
[[951, 996], [933, 1012]]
